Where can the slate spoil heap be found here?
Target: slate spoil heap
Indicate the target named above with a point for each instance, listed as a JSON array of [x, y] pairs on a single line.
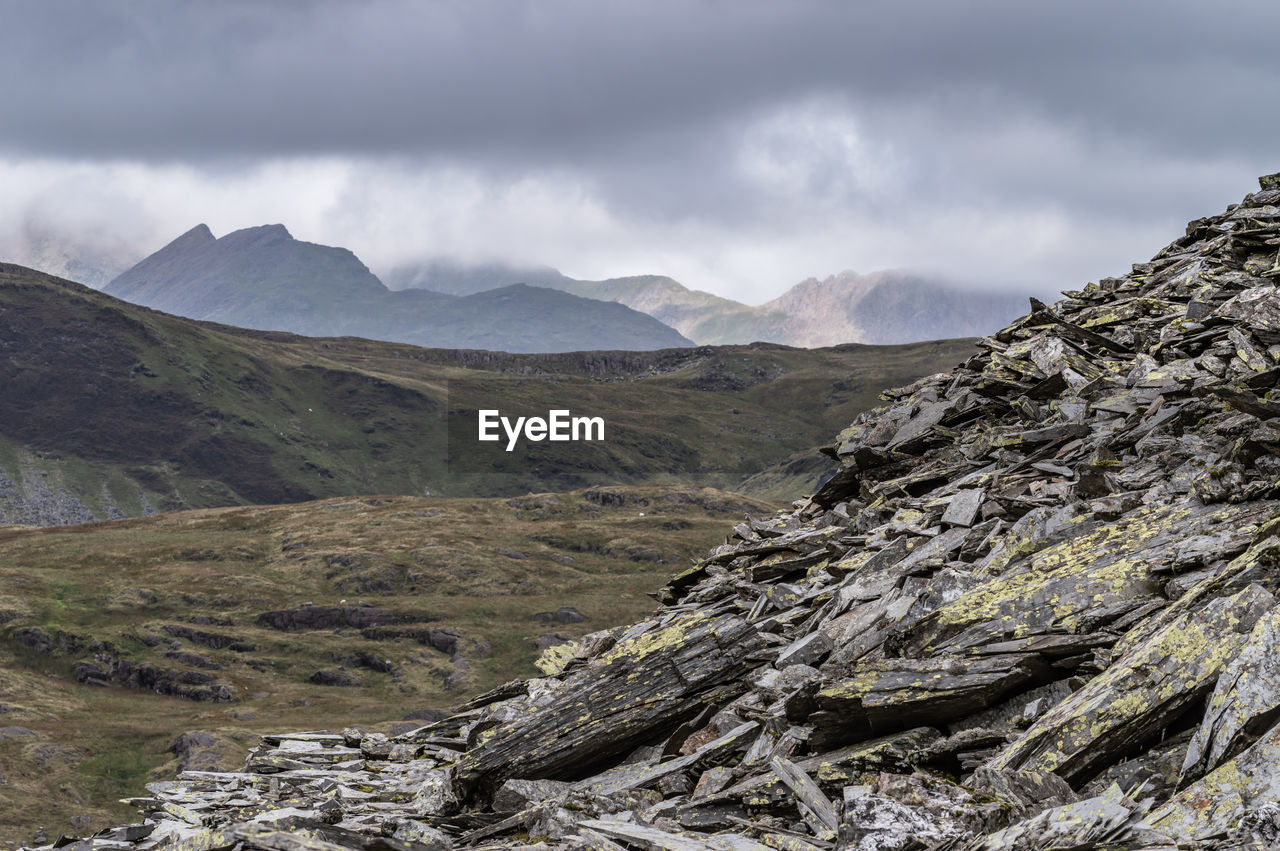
[[1037, 608]]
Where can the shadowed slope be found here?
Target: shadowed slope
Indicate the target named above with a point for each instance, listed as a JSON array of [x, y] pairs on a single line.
[[111, 409]]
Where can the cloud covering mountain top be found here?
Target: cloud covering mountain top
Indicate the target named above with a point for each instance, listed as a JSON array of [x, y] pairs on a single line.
[[736, 146]]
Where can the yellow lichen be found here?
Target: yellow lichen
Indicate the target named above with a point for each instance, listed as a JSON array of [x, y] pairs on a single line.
[[655, 641]]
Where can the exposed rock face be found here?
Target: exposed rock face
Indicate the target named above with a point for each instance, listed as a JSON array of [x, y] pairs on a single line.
[[329, 617], [1036, 608]]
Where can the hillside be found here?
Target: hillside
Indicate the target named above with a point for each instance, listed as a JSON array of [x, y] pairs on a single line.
[[404, 604], [263, 278], [886, 307], [115, 410], [1037, 608]]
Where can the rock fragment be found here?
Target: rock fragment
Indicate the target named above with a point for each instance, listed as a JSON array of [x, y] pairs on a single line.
[[1245, 702], [1140, 694]]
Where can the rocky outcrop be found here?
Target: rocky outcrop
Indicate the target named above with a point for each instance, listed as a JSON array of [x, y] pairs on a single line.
[[107, 665], [564, 614], [1034, 609], [331, 617], [330, 677], [209, 750]]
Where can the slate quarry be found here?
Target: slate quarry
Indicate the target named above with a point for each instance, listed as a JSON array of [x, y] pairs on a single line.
[[1036, 608]]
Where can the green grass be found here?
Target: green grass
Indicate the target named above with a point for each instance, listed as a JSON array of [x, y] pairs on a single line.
[[116, 403], [437, 557]]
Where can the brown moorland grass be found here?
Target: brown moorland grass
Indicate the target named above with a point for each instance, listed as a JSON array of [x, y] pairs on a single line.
[[478, 567]]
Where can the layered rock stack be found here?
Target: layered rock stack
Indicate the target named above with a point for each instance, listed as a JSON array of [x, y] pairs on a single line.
[[1035, 609]]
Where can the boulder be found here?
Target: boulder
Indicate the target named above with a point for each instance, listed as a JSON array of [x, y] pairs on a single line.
[[328, 677]]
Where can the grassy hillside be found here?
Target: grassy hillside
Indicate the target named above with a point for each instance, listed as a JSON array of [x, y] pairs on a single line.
[[424, 602], [111, 409]]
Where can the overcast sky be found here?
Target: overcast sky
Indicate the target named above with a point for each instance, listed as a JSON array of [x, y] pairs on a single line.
[[738, 146]]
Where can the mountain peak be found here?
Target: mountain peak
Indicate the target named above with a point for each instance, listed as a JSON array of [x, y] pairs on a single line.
[[260, 234], [198, 235]]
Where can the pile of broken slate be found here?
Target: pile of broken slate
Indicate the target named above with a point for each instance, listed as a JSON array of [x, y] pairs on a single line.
[[1036, 608]]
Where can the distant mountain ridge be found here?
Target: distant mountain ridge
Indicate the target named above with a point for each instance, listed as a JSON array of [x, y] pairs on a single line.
[[263, 278], [882, 308], [888, 307]]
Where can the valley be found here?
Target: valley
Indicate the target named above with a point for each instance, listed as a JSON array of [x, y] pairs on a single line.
[[114, 410]]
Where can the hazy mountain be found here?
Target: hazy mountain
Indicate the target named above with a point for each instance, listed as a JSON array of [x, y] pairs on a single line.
[[881, 307], [455, 278], [263, 278], [887, 307], [705, 317]]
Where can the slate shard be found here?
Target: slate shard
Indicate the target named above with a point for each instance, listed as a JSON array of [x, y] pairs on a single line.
[[1036, 608]]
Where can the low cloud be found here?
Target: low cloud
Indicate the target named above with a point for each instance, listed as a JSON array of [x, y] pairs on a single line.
[[736, 146]]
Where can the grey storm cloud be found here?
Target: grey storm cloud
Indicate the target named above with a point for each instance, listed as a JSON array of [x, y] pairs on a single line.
[[551, 79], [1058, 133]]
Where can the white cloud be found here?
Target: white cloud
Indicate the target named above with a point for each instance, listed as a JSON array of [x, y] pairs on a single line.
[[815, 154]]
